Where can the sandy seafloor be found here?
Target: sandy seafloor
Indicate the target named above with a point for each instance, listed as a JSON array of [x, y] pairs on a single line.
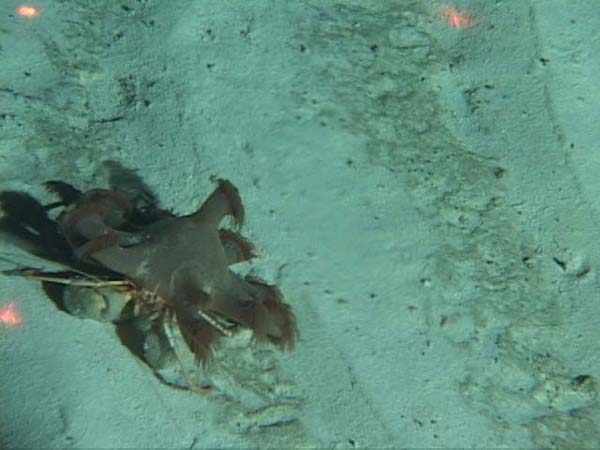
[[426, 196]]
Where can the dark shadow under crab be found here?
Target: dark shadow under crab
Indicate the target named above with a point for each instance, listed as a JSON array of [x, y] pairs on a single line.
[[174, 268]]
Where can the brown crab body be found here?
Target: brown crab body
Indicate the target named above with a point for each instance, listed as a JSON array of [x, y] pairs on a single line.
[[185, 261]]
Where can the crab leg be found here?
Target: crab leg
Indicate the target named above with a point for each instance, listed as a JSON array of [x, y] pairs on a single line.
[[36, 275]]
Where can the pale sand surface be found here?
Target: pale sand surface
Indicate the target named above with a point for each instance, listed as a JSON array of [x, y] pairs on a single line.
[[425, 196]]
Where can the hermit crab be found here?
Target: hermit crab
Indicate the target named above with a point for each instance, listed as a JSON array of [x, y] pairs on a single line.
[[158, 276]]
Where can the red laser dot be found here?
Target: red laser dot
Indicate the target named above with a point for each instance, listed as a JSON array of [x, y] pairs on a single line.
[[9, 316], [457, 18], [28, 12]]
